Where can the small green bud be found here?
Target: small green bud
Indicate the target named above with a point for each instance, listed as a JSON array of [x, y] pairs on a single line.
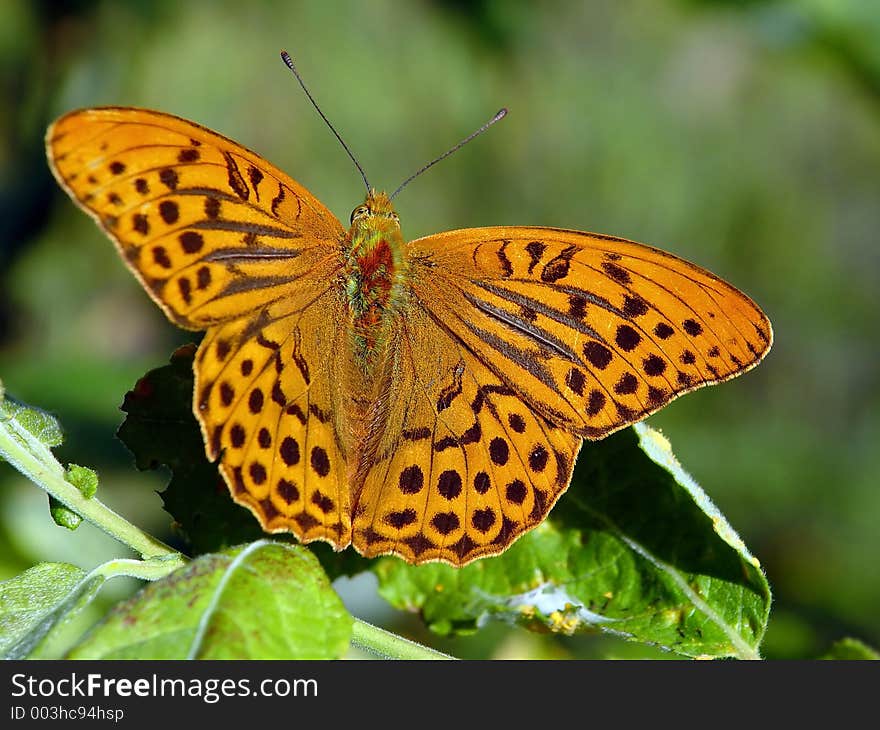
[[83, 478]]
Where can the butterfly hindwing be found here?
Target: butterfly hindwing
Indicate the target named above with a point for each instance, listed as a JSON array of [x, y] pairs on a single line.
[[270, 404], [463, 466]]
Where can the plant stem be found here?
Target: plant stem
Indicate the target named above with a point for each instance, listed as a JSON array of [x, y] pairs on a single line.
[[150, 569], [390, 646], [35, 460]]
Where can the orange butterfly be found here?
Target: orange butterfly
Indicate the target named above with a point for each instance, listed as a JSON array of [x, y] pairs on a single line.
[[425, 398]]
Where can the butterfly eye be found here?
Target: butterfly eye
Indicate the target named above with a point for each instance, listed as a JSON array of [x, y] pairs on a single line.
[[358, 212]]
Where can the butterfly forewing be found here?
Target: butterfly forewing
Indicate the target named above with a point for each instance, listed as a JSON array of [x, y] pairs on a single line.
[[212, 230], [593, 332]]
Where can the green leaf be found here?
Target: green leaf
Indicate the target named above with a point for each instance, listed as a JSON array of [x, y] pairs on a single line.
[[849, 648], [62, 515], [160, 429], [634, 548], [40, 424], [266, 600], [37, 601], [22, 423]]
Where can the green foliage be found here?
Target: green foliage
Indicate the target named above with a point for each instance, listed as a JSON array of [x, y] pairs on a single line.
[[261, 601], [606, 560], [31, 431], [849, 648], [37, 601], [23, 423], [62, 515]]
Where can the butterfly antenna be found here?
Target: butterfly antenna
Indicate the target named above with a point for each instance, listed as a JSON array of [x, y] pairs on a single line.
[[497, 118], [285, 56]]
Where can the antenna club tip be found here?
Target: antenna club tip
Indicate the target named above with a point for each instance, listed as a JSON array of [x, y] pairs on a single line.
[[502, 112]]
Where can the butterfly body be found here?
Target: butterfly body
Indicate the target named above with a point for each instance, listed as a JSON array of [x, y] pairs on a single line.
[[375, 276], [427, 398]]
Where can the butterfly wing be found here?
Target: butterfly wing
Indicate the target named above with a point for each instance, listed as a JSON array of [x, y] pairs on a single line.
[[224, 241], [267, 394], [518, 342], [205, 224], [593, 332]]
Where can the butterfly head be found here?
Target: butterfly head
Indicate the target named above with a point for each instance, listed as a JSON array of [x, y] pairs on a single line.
[[375, 232], [375, 214]]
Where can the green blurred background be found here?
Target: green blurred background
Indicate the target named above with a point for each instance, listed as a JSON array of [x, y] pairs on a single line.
[[744, 136]]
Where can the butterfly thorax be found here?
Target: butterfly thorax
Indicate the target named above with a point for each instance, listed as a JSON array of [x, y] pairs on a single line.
[[374, 267]]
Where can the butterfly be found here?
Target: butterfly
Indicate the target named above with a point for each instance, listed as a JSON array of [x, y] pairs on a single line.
[[422, 398]]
